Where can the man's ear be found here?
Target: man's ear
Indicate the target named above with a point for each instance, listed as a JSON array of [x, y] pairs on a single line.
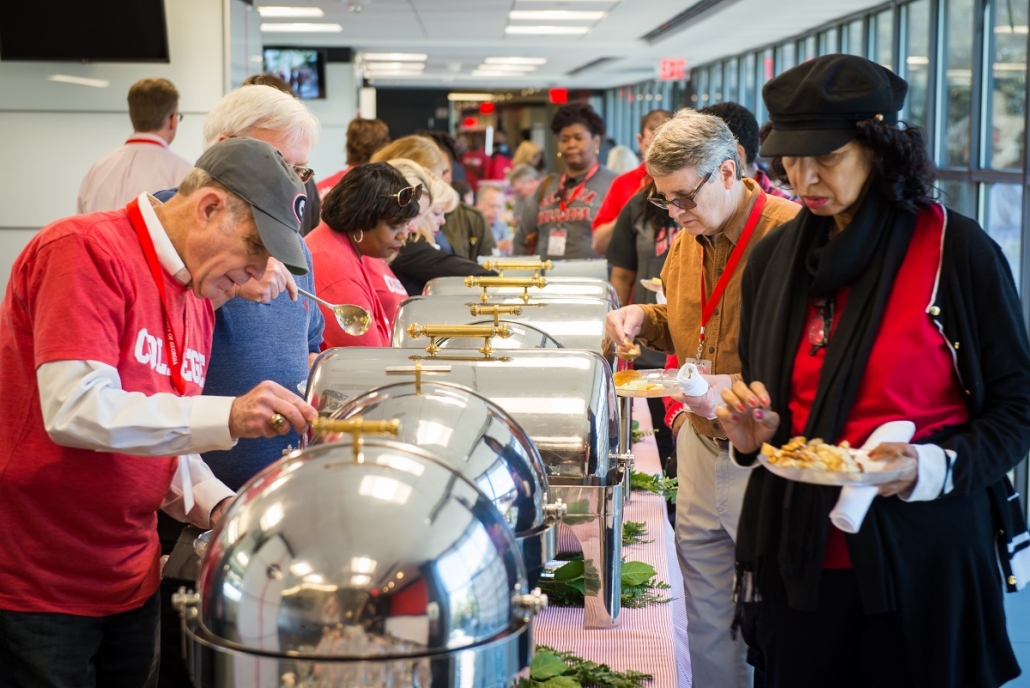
[[210, 202]]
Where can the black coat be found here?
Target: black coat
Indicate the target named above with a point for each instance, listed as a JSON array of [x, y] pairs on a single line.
[[419, 261]]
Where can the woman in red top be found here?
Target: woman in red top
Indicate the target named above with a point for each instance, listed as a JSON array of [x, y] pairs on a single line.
[[366, 214], [875, 305]]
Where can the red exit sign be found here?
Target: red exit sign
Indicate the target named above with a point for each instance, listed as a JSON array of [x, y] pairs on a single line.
[[672, 70]]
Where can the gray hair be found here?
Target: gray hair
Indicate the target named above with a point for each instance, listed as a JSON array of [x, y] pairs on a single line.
[[523, 171], [197, 179], [691, 139], [261, 107]]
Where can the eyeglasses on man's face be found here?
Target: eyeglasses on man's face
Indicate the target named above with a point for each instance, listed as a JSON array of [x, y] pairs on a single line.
[[305, 173], [687, 203], [406, 195]]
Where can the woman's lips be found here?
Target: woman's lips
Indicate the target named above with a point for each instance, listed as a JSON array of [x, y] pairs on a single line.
[[815, 202]]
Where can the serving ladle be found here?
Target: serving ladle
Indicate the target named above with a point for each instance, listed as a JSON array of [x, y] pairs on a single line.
[[354, 320]]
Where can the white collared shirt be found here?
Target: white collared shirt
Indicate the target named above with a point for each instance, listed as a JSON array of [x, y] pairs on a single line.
[[143, 164]]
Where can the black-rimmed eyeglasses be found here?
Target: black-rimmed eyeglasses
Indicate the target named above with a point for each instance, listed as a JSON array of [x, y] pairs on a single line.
[[406, 195], [687, 203]]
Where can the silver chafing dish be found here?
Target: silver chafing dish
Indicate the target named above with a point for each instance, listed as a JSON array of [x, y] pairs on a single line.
[[480, 441], [365, 563], [571, 322], [564, 399], [553, 287]]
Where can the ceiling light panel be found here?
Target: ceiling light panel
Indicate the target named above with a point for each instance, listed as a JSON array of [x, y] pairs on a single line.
[[556, 15], [274, 27], [547, 30], [515, 60], [278, 12], [394, 57], [470, 96], [507, 68], [386, 66]]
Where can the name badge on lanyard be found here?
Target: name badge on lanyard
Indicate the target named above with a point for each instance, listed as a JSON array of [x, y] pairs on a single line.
[[556, 242]]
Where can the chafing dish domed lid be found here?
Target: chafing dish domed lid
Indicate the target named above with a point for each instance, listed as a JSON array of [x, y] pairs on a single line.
[[389, 555], [557, 287], [470, 434]]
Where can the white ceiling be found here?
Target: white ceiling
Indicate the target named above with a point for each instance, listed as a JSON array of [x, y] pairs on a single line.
[[459, 34]]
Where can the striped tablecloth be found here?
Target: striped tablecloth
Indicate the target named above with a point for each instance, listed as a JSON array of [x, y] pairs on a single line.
[[652, 639]]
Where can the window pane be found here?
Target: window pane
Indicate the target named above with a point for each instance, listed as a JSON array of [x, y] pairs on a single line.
[[1002, 221], [765, 72], [828, 41], [916, 68], [730, 81], [1006, 83], [701, 96], [957, 101], [784, 57], [855, 39], [747, 83], [883, 50], [715, 84], [960, 196], [806, 49]]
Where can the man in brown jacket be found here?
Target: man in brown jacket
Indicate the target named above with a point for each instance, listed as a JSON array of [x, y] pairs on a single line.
[[697, 172]]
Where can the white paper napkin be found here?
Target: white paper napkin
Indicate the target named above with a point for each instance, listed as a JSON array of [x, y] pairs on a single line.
[[854, 501], [693, 382]]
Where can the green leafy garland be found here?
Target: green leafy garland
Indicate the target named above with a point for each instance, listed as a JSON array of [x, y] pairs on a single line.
[[554, 669], [633, 533], [656, 484], [636, 434], [640, 585]]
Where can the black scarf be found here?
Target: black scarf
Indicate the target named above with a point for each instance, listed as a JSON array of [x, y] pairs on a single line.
[[788, 537]]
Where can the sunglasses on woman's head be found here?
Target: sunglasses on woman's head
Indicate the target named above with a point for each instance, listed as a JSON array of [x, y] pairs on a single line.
[[406, 195], [687, 203], [305, 173]]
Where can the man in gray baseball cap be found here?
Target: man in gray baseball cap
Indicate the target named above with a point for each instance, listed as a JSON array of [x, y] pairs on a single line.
[[257, 173]]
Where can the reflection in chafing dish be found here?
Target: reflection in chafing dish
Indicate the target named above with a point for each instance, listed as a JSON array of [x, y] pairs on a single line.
[[391, 570], [550, 393]]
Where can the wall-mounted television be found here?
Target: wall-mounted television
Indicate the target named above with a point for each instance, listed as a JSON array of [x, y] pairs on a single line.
[[83, 30], [302, 68]]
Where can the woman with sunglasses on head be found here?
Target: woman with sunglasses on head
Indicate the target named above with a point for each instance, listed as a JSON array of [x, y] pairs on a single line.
[[877, 304], [367, 214], [697, 176], [557, 226]]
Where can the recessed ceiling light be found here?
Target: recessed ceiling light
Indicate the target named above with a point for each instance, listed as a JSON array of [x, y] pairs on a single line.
[[81, 81], [507, 68], [515, 60], [469, 96], [291, 12], [492, 73], [547, 30], [556, 15], [394, 57], [300, 28]]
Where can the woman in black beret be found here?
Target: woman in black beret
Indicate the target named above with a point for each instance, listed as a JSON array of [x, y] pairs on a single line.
[[877, 305]]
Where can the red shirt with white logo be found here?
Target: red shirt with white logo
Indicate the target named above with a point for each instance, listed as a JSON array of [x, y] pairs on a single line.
[[79, 526]]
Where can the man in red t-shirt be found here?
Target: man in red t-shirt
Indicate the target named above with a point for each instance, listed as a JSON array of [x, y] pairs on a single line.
[[105, 332], [626, 184]]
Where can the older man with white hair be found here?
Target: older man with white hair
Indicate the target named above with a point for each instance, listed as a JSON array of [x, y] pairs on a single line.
[[697, 173]]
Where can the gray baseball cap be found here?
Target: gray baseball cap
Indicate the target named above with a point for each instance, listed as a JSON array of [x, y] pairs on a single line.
[[256, 172]]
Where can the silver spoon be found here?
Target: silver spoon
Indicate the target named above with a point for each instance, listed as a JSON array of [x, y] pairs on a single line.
[[354, 320]]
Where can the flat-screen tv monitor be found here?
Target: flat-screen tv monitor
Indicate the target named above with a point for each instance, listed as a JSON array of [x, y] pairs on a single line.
[[83, 30], [301, 68]]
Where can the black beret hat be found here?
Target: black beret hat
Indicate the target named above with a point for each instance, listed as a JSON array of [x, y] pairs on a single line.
[[815, 106]]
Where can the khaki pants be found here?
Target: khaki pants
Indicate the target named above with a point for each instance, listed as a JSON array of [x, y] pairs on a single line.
[[711, 490]]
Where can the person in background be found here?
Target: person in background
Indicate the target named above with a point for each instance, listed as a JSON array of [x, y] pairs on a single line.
[[621, 160], [500, 161], [364, 138], [557, 226], [144, 163], [877, 304], [104, 344], [697, 176], [528, 153], [475, 161], [524, 180], [491, 204], [465, 193], [626, 184], [262, 331], [367, 214], [745, 128], [420, 149], [449, 147]]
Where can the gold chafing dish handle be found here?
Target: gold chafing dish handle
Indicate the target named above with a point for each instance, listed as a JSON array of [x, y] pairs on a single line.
[[487, 332], [496, 311], [525, 282], [535, 265], [356, 428], [419, 370]]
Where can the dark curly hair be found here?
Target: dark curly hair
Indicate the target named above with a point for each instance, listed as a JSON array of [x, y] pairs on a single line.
[[742, 124], [577, 113], [902, 168], [362, 199]]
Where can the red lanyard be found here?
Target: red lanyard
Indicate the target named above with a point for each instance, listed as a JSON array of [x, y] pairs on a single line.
[[140, 225], [152, 143], [708, 304], [563, 204]]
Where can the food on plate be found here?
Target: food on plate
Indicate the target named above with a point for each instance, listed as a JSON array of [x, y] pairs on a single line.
[[632, 380], [813, 454], [624, 376]]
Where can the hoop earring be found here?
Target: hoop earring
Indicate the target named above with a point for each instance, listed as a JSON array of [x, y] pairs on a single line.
[[360, 237], [559, 154], [597, 151]]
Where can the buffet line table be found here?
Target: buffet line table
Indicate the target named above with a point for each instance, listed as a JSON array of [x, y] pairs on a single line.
[[652, 639]]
